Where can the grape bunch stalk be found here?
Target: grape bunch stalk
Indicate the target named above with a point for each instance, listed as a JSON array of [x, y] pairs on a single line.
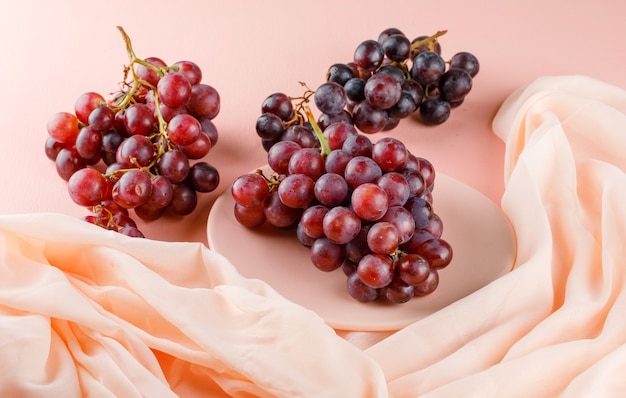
[[141, 150], [365, 207]]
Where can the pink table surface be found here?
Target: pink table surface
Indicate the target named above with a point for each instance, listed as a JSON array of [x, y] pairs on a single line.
[[54, 51]]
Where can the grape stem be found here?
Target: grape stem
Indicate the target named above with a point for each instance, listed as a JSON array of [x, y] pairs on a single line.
[[430, 41], [318, 131], [137, 82]]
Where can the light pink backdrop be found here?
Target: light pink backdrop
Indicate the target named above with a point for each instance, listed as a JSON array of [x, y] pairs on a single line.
[[54, 51]]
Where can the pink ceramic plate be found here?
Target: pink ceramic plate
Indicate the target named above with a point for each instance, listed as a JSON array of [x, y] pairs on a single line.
[[483, 243]]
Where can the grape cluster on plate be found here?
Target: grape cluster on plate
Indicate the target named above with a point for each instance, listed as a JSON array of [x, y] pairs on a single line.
[[143, 148], [363, 206]]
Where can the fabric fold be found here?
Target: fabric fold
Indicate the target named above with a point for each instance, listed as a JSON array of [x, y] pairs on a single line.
[[123, 317]]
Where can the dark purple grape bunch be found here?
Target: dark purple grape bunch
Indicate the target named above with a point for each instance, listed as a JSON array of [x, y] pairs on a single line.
[[365, 207], [394, 77], [143, 149]]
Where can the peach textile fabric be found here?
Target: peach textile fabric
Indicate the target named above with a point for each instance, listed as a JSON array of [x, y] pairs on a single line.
[[86, 312]]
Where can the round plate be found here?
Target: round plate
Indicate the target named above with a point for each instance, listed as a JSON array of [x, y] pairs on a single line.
[[481, 237]]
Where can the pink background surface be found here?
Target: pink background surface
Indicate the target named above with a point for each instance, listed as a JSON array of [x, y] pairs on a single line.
[[54, 51]]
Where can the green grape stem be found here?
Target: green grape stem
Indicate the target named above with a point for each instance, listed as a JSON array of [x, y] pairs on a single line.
[[137, 82], [318, 131]]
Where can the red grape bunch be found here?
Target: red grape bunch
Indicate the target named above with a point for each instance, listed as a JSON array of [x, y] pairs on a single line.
[[141, 150], [387, 80], [365, 207]]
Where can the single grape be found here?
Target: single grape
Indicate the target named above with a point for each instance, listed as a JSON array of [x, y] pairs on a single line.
[[341, 224], [369, 55], [133, 232], [89, 144], [369, 201], [359, 290], [87, 187], [331, 189], [307, 161], [467, 61], [385, 34], [280, 215], [358, 145], [339, 73], [336, 161], [360, 170], [355, 89], [437, 252], [330, 98], [397, 47], [250, 217], [174, 89], [174, 165], [390, 154], [279, 155], [428, 286], [302, 135], [203, 177], [398, 291], [101, 118], [147, 212], [382, 90], [269, 126], [63, 127], [250, 190], [52, 148], [204, 101], [135, 151], [413, 269], [455, 84], [396, 187], [337, 133], [67, 162], [415, 89], [427, 68], [312, 221], [132, 189], [139, 119], [161, 192], [183, 129], [383, 237], [369, 118], [198, 148], [375, 270], [403, 220], [297, 190], [327, 255], [434, 111], [184, 200], [191, 70], [279, 104]]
